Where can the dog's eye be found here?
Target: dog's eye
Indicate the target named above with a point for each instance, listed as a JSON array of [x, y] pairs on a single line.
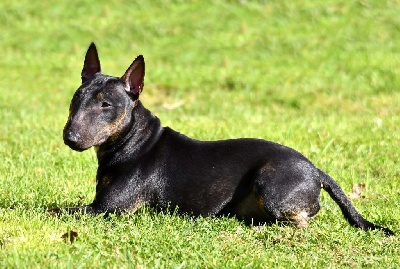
[[105, 104]]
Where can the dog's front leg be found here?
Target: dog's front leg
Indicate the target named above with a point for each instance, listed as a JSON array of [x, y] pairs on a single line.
[[88, 209]]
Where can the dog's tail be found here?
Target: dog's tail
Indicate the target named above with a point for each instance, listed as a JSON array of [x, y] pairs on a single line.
[[348, 210]]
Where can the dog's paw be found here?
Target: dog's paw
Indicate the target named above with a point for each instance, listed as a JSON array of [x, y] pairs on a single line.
[[54, 211]]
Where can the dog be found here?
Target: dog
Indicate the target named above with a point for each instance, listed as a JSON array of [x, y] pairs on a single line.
[[142, 163]]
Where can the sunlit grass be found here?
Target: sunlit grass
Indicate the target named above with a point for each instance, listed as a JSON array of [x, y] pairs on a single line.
[[319, 76]]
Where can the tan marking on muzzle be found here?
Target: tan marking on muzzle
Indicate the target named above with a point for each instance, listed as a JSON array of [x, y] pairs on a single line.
[[113, 128]]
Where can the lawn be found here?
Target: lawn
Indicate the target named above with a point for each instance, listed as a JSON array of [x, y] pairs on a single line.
[[322, 77]]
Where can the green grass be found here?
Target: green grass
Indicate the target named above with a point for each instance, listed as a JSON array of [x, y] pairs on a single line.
[[320, 76]]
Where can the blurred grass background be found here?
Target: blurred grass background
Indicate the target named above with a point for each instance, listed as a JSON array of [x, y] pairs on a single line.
[[319, 76]]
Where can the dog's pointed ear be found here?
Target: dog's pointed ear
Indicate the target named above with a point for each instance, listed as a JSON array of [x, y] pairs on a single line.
[[91, 65], [134, 76]]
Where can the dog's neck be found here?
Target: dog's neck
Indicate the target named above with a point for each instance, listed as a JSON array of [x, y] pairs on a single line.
[[143, 133]]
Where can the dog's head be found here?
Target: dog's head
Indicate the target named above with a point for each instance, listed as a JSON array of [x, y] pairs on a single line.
[[101, 108]]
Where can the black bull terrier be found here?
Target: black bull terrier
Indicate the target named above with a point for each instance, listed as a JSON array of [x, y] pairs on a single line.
[[142, 163]]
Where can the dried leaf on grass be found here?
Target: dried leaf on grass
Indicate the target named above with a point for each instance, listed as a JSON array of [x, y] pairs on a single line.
[[175, 105], [357, 190], [70, 235]]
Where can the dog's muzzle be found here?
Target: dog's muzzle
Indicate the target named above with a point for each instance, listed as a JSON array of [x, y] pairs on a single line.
[[72, 139]]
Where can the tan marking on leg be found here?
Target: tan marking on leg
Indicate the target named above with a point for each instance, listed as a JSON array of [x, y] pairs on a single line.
[[260, 202], [103, 183], [300, 219], [138, 204], [267, 168]]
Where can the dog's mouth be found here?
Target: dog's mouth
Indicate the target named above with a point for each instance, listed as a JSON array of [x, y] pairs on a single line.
[[76, 145], [100, 141], [80, 141], [75, 141]]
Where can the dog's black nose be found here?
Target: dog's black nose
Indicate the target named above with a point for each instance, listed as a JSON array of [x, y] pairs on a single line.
[[71, 137]]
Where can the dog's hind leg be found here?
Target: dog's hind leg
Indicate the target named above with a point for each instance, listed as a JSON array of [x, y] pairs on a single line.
[[289, 194]]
